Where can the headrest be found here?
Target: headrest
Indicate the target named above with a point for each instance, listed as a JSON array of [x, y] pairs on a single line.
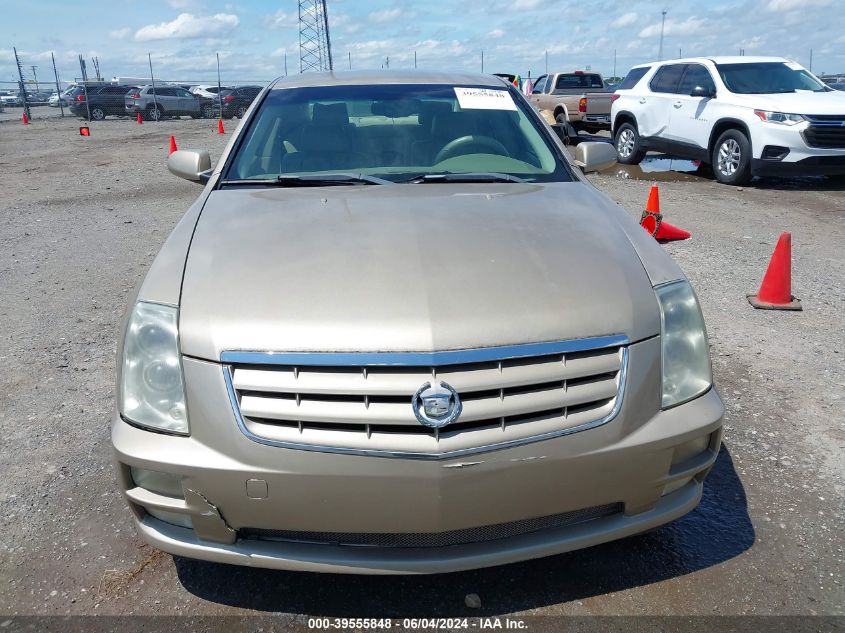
[[330, 114]]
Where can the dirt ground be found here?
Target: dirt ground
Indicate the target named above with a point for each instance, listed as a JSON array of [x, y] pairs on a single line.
[[82, 218]]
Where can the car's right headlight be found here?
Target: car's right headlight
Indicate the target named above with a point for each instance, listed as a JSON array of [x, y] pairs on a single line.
[[685, 350], [152, 393]]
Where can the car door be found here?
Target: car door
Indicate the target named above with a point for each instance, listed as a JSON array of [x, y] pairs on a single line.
[[167, 99], [654, 106], [539, 87], [691, 119], [187, 102]]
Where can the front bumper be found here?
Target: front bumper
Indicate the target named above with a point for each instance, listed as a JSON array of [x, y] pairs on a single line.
[[810, 166], [801, 160], [629, 461]]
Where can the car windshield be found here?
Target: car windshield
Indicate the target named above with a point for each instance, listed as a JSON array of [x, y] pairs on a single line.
[[768, 78], [395, 132]]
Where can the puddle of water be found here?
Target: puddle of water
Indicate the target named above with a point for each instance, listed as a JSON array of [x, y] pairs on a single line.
[[659, 168]]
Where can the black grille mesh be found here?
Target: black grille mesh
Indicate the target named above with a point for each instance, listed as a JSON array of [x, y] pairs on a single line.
[[436, 539]]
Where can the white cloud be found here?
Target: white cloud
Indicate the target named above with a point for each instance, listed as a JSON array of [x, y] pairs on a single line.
[[187, 26], [119, 34], [496, 33], [527, 4], [386, 15], [281, 20], [673, 27], [626, 19], [794, 5]]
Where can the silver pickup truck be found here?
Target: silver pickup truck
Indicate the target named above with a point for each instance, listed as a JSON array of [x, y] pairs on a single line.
[[579, 98]]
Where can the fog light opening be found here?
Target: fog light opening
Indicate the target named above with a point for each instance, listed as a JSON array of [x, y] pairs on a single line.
[[161, 483], [173, 518]]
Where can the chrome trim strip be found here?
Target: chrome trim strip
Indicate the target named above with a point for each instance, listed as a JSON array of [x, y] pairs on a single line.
[[617, 406], [421, 359]]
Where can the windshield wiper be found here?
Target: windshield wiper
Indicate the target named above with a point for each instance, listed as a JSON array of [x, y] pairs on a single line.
[[457, 177], [311, 180]]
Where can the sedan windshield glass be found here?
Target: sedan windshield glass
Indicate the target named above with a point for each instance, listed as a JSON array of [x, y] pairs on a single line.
[[767, 78], [395, 132]]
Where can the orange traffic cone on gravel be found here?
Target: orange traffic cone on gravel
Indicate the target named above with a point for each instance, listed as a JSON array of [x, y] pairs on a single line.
[[25, 119], [173, 147], [220, 129], [652, 220], [776, 290], [140, 119]]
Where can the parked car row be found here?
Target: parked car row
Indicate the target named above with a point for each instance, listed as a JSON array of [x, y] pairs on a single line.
[[157, 102], [744, 116]]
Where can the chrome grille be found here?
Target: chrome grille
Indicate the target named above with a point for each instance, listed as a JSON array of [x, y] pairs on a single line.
[[480, 534], [362, 402], [825, 131]]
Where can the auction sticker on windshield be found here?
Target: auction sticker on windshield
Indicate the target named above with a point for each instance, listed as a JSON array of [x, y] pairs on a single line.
[[484, 99]]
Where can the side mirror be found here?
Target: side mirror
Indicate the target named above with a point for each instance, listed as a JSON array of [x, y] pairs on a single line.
[[701, 91], [595, 156], [190, 164]]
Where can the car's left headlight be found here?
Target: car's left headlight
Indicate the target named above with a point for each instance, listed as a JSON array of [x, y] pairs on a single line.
[[685, 350], [152, 393], [782, 118]]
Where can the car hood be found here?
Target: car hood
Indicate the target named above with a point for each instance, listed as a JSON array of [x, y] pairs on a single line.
[[410, 268], [801, 102]]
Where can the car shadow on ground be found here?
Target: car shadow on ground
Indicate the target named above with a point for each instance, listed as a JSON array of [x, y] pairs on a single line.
[[718, 530]]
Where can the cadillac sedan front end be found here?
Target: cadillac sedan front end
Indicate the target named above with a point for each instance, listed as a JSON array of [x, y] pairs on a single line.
[[413, 367]]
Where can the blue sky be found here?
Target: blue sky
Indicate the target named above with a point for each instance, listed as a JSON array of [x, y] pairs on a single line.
[[252, 36]]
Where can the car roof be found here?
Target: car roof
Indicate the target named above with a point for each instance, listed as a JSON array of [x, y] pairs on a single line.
[[381, 77], [723, 59]]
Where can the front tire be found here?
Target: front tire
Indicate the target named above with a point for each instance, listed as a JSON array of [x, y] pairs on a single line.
[[98, 113], [208, 112], [731, 158], [241, 111], [154, 113], [629, 151]]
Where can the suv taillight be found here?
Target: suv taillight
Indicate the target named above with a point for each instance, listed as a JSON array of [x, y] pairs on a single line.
[[135, 95], [582, 104], [614, 97], [80, 97], [228, 98]]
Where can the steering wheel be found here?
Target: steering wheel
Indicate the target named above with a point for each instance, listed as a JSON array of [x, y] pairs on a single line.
[[459, 146]]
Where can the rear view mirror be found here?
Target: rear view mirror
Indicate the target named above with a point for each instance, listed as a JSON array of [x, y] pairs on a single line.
[[701, 91], [190, 164], [595, 156]]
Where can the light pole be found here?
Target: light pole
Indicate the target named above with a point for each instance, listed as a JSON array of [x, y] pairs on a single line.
[[662, 29]]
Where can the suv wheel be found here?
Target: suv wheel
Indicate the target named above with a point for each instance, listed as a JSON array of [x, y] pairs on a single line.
[[628, 148], [732, 158], [98, 113], [241, 111], [208, 112], [154, 113]]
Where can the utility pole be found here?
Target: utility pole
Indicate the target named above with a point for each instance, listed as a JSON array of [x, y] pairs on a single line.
[[415, 59], [22, 85], [811, 60], [35, 76], [219, 87], [153, 80], [286, 63], [85, 86], [547, 62], [614, 62], [482, 60], [350, 59], [315, 52], [662, 29], [58, 89]]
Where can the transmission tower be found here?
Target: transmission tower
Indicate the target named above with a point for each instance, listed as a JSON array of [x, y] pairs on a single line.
[[315, 49]]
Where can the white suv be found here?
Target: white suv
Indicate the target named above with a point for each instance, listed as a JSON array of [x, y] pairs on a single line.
[[746, 116]]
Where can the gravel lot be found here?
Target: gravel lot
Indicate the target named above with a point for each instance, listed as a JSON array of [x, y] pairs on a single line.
[[82, 218]]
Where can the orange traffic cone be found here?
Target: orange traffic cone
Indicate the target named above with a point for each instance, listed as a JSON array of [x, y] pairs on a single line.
[[24, 118], [173, 147], [652, 220], [140, 119], [776, 290], [220, 129]]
